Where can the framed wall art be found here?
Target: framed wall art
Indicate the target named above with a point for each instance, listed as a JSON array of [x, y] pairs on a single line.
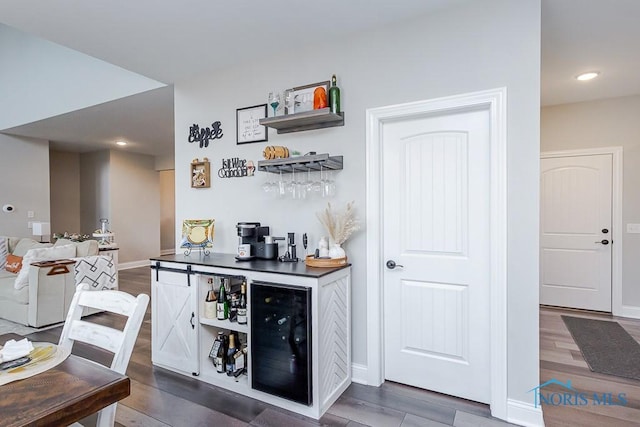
[[248, 127], [200, 173]]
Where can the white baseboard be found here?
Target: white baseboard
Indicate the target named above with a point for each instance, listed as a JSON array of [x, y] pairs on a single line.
[[133, 264], [167, 251], [631, 311], [359, 373], [524, 414]]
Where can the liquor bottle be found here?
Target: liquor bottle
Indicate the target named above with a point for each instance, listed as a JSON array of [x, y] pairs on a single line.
[[222, 307], [334, 96], [242, 308], [231, 351], [215, 349], [222, 352]]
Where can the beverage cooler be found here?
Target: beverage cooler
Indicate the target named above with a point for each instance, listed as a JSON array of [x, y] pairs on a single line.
[[281, 340]]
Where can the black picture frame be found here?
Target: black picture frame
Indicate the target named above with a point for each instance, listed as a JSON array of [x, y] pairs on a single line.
[[248, 127]]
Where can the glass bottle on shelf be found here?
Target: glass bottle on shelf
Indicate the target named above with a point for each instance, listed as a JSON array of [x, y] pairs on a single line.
[[222, 352], [222, 307], [242, 307], [334, 96], [231, 351]]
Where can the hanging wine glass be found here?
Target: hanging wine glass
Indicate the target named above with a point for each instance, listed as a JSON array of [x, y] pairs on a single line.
[[274, 101], [316, 186], [281, 186]]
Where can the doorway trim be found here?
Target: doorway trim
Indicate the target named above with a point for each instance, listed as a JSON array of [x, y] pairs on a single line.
[[493, 100], [617, 309]]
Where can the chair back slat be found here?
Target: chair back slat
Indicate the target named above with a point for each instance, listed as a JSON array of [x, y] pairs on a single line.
[[109, 339], [113, 301], [120, 343]]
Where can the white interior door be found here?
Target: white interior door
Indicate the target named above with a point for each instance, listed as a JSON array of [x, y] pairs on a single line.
[[575, 231], [436, 195]]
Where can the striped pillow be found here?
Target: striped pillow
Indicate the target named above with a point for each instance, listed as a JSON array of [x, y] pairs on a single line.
[[4, 251]]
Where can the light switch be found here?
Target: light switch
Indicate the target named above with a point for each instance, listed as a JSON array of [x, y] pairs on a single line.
[[633, 228], [30, 214], [30, 225]]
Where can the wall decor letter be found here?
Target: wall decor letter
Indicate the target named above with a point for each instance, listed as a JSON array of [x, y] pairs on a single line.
[[205, 134]]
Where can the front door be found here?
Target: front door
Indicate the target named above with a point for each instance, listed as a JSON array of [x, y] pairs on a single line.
[[575, 231], [436, 195]]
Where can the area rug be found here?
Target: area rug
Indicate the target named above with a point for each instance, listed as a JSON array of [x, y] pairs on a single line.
[[7, 327], [606, 346]]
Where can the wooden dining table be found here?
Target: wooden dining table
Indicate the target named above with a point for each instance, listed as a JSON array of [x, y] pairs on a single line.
[[61, 395]]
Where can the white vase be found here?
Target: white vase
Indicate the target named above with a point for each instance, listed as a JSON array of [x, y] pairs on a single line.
[[336, 251]]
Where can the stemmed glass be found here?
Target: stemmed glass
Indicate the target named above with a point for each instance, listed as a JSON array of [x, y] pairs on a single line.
[[282, 190], [274, 101], [316, 186], [328, 185]]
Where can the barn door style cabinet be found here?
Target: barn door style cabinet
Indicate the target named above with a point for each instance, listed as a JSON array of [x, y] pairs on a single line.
[[298, 333]]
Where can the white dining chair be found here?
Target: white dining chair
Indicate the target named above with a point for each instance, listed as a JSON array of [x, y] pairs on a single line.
[[118, 342]]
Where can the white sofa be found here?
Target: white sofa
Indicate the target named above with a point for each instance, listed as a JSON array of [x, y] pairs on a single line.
[[46, 298]]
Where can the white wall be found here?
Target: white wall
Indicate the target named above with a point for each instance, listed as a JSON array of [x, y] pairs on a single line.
[[479, 46], [605, 123], [24, 183], [41, 79], [167, 210], [134, 205], [65, 191], [95, 189]]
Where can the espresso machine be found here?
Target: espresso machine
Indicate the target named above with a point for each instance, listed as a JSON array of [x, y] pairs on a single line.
[[262, 244]]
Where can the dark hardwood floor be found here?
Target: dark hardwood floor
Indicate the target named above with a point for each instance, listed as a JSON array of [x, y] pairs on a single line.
[[163, 398]]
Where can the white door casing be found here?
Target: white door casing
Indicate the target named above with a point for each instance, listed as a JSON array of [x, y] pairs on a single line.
[[575, 218], [494, 103], [615, 232], [436, 225]]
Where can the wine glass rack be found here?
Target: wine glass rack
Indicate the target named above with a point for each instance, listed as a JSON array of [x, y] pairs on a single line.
[[314, 162]]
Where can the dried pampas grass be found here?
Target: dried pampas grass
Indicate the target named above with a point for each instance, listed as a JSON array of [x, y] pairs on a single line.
[[339, 225]]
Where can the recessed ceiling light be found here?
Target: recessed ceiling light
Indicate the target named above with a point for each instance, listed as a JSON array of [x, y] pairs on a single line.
[[121, 143], [587, 76]]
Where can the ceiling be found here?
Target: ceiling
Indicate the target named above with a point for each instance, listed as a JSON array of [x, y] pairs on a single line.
[[168, 42]]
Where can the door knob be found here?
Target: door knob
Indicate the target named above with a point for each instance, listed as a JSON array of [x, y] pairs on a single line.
[[603, 242], [391, 264]]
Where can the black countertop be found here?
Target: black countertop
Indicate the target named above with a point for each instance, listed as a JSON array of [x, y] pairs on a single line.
[[264, 266]]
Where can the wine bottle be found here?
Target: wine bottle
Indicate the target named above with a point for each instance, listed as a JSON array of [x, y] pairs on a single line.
[[242, 308], [231, 351], [222, 351], [334, 96], [222, 307]]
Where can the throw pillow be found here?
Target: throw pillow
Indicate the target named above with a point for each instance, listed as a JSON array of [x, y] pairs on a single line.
[[41, 254], [14, 263], [86, 248], [25, 244], [4, 251]]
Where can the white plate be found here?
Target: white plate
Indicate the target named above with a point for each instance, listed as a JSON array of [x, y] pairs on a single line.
[[45, 356]]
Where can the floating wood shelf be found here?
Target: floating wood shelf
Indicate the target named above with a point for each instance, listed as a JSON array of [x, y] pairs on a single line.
[[301, 163], [309, 120]]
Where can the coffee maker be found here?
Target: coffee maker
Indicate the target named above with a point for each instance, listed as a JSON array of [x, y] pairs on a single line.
[[263, 245]]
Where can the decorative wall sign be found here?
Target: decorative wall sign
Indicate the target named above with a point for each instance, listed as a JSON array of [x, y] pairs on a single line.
[[200, 173], [236, 168], [248, 127], [205, 134]]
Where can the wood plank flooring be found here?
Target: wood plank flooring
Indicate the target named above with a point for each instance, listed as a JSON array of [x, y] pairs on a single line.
[[560, 358], [163, 398]]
